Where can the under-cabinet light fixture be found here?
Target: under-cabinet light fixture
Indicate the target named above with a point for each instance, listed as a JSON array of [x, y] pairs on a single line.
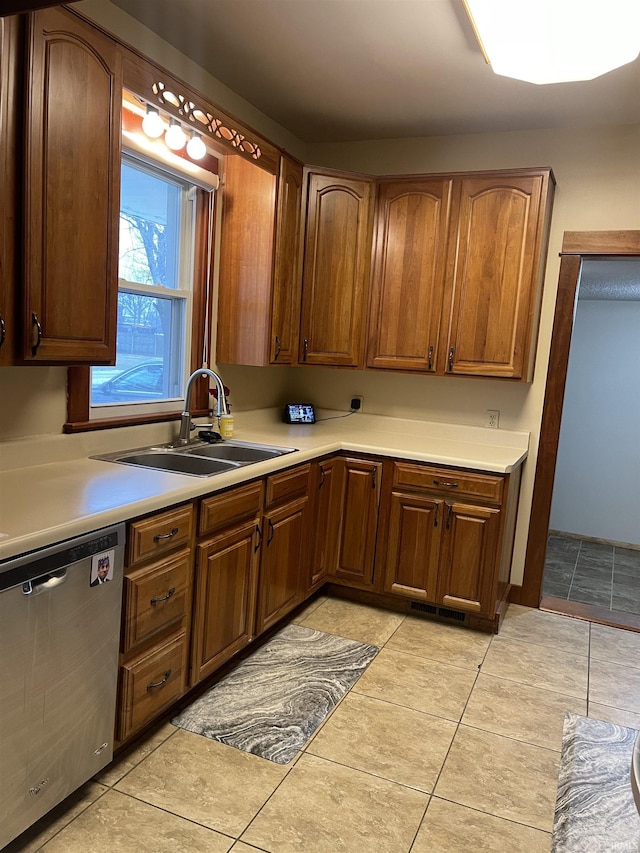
[[556, 41]]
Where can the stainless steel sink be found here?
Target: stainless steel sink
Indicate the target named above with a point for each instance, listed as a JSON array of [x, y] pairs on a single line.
[[197, 460], [236, 451]]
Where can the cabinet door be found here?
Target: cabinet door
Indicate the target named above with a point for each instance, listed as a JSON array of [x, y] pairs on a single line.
[[413, 547], [324, 514], [408, 274], [246, 263], [359, 499], [468, 563], [336, 269], [72, 189], [285, 305], [283, 562], [496, 255], [9, 162], [226, 578]]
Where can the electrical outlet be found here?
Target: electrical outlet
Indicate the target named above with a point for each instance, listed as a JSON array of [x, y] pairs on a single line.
[[356, 404], [492, 419]]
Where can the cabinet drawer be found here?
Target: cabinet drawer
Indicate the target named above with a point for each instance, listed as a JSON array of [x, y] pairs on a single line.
[[287, 485], [230, 508], [152, 681], [155, 597], [444, 480], [159, 533]]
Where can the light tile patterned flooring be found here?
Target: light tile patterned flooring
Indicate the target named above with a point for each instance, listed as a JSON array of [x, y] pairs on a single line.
[[450, 741], [592, 573]]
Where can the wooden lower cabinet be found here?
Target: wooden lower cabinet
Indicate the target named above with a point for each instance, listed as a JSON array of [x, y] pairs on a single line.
[[434, 548], [325, 476], [466, 579], [225, 591], [357, 506]]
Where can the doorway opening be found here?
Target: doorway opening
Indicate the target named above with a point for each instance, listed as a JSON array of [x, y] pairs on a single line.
[[587, 580]]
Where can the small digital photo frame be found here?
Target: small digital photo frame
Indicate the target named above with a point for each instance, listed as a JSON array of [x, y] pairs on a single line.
[[299, 413]]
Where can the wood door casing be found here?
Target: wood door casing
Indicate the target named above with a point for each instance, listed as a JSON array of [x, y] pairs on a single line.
[[495, 266], [336, 269], [72, 190], [408, 273], [285, 304]]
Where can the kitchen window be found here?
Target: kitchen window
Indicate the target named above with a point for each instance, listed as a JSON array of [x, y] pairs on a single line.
[[155, 275], [165, 244]]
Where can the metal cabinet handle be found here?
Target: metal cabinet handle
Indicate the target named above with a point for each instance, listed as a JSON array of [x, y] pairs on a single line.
[[170, 535], [449, 511], [166, 597], [305, 347], [430, 359], [278, 348], [272, 532], [374, 478], [451, 354], [259, 535], [435, 516], [323, 477], [447, 483], [38, 328], [161, 682], [3, 330]]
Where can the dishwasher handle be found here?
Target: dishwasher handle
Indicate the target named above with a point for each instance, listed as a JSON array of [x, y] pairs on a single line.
[[45, 583]]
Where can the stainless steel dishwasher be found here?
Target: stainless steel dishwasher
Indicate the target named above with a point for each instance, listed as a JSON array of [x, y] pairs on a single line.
[[59, 635]]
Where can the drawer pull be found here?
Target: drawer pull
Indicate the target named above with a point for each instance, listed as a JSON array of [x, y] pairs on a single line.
[[3, 330], [447, 483], [259, 535], [430, 359], [450, 360], [435, 515], [271, 532], [159, 536], [161, 682], [35, 324], [322, 477], [278, 348], [166, 597], [449, 511]]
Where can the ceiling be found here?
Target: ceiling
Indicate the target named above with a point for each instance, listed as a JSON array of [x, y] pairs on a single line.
[[338, 70]]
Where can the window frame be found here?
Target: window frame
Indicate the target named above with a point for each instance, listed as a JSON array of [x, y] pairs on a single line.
[[79, 376]]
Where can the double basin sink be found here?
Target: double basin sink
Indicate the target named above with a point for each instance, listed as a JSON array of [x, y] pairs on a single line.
[[199, 459]]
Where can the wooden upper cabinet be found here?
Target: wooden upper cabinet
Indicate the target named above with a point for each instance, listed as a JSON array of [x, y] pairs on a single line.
[[72, 190], [285, 304], [9, 165], [336, 268], [408, 273], [497, 256], [259, 289]]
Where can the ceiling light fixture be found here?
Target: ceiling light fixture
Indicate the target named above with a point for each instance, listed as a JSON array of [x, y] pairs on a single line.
[[196, 149], [556, 41], [175, 137], [152, 124]]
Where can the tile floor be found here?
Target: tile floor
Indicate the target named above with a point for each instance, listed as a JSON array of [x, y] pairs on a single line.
[[592, 573], [450, 741]]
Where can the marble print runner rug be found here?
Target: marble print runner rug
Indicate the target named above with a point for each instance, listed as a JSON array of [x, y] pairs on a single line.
[[272, 702], [595, 810]]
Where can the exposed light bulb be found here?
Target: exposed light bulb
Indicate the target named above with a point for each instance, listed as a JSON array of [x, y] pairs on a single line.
[[196, 149], [175, 137], [152, 124]]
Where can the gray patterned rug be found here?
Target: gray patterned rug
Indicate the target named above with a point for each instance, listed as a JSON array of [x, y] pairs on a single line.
[[595, 811], [273, 701]]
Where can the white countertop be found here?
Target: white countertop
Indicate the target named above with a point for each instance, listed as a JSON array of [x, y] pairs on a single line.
[[51, 491]]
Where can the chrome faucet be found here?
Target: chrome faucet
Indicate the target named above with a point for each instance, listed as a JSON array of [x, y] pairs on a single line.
[[185, 418]]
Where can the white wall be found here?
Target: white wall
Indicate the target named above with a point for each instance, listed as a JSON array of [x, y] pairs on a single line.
[[597, 485]]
